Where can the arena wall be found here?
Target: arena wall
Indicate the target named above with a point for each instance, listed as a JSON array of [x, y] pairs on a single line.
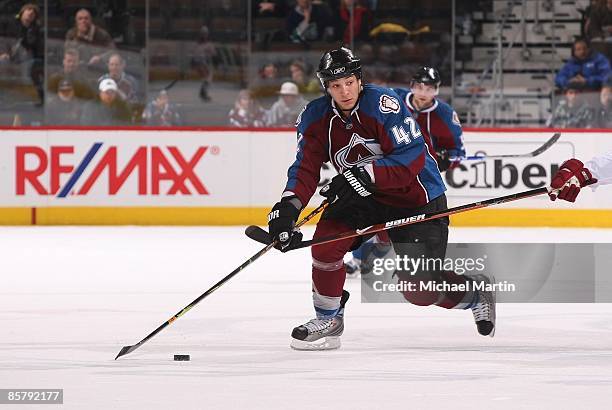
[[211, 176]]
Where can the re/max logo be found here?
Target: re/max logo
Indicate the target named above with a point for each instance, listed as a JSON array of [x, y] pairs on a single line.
[[151, 164]]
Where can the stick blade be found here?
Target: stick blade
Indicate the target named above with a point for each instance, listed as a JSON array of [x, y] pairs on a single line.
[[126, 350], [547, 144], [258, 234]]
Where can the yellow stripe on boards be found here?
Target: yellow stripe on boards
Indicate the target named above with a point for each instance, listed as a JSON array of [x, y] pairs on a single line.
[[579, 218], [16, 216]]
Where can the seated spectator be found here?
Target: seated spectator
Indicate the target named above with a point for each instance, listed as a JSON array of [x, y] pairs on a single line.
[[308, 21], [286, 109], [71, 71], [29, 47], [300, 78], [585, 14], [267, 82], [269, 72], [108, 109], [88, 38], [586, 69], [356, 13], [127, 84], [63, 108], [572, 111], [160, 112], [269, 8], [246, 112], [599, 23], [266, 15], [603, 111]]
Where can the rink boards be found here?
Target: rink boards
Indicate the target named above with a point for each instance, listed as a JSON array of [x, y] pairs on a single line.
[[229, 177]]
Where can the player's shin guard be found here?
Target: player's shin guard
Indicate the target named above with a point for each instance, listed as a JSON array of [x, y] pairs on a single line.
[[321, 333]]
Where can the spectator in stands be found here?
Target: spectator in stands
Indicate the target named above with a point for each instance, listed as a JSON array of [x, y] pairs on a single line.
[[354, 12], [127, 85], [89, 39], [267, 82], [309, 21], [71, 71], [266, 15], [269, 72], [108, 109], [160, 112], [286, 109], [246, 112], [585, 16], [297, 69], [29, 47], [269, 8], [202, 61], [586, 69], [603, 111], [572, 111], [599, 23], [63, 108]]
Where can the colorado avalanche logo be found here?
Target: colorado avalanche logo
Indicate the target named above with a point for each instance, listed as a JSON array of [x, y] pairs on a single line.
[[359, 151], [388, 104]]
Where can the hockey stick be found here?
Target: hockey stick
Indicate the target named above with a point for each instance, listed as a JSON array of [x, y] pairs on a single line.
[[258, 234], [422, 217], [129, 349], [535, 153]]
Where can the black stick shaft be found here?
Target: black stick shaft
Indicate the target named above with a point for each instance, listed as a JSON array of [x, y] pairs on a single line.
[[128, 349], [534, 153], [423, 217]]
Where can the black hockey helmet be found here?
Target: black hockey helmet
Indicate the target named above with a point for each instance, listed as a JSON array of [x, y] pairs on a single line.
[[338, 63], [427, 75]]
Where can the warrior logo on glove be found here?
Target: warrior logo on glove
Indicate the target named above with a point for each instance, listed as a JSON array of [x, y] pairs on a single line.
[[354, 182]]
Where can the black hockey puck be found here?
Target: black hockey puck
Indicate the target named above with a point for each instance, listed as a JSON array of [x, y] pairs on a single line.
[[182, 357]]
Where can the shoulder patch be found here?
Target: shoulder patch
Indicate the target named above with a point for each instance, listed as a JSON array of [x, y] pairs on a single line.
[[388, 104], [456, 118]]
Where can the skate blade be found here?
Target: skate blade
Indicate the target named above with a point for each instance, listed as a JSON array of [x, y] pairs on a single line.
[[327, 343]]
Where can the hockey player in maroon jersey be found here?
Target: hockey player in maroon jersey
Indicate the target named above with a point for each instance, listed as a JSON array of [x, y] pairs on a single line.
[[385, 172], [437, 120]]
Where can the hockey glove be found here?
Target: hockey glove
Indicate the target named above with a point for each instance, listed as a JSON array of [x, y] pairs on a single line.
[[448, 159], [568, 180], [281, 223], [352, 186]]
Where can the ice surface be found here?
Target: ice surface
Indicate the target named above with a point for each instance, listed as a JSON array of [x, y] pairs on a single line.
[[71, 297]]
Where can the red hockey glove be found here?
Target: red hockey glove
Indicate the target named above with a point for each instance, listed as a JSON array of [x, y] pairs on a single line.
[[568, 180]]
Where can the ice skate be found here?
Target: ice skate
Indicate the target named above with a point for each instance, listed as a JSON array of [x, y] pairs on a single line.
[[320, 334], [353, 268], [363, 266], [484, 308]]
